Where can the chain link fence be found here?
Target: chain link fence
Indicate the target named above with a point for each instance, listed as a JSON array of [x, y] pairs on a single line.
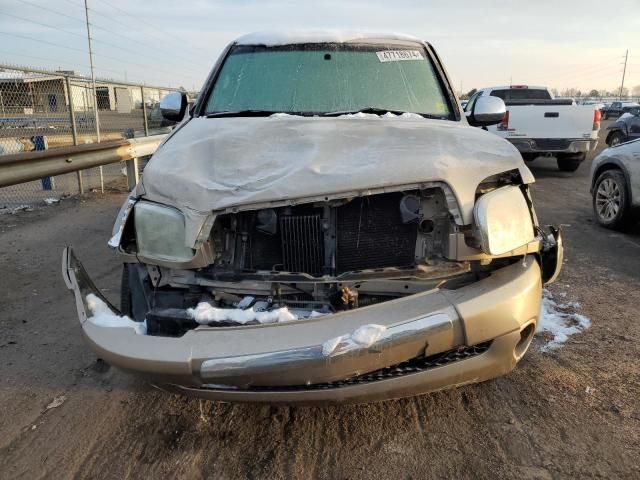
[[41, 110]]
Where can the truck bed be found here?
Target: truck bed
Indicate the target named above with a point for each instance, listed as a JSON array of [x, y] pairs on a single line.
[[548, 121]]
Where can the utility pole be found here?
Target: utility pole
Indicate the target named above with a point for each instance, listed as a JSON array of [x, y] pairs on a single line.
[[624, 71], [93, 78]]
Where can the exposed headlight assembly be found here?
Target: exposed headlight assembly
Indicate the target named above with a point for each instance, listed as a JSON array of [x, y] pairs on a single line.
[[503, 220], [160, 232]]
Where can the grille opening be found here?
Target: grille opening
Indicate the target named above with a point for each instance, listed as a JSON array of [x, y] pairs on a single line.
[[371, 234], [368, 235]]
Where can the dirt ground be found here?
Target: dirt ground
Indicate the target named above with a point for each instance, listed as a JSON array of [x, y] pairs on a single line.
[[570, 413]]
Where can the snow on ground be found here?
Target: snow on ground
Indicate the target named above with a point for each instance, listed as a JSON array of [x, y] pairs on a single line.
[[14, 210], [102, 316], [559, 321]]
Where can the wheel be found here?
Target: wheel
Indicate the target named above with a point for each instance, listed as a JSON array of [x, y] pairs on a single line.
[[611, 200], [616, 139], [125, 293], [570, 163]]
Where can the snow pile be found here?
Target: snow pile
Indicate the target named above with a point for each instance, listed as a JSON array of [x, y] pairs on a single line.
[[403, 116], [330, 345], [205, 313], [14, 210], [367, 335], [10, 145], [560, 321], [289, 37], [364, 336], [102, 316]]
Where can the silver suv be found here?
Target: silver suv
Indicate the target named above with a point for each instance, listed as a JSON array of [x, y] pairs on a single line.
[[615, 185]]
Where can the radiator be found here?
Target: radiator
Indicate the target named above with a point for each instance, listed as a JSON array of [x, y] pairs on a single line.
[[370, 234], [302, 243]]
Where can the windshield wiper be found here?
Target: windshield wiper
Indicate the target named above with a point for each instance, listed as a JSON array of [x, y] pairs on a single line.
[[242, 113], [379, 111], [248, 113]]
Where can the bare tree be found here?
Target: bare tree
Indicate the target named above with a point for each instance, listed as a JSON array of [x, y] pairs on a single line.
[[569, 92]]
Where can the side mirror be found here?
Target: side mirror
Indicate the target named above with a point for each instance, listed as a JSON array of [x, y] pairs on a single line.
[[174, 105], [486, 111]]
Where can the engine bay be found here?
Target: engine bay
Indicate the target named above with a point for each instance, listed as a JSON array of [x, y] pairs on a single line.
[[308, 259]]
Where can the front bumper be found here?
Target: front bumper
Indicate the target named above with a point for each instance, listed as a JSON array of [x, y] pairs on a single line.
[[551, 145], [493, 318]]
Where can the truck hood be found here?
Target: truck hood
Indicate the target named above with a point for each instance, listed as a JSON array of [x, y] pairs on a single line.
[[216, 163]]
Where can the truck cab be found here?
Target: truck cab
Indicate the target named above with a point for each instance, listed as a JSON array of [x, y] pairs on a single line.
[[616, 109]]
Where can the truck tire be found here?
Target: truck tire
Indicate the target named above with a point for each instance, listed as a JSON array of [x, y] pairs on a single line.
[[616, 139], [611, 200], [570, 163]]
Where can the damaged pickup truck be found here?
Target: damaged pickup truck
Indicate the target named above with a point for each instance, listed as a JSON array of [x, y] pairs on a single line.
[[324, 225]]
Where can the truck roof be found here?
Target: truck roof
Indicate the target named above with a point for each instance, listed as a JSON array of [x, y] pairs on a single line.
[[509, 87], [275, 38]]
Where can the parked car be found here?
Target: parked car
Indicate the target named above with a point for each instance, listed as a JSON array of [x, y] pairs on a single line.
[[626, 128], [615, 185], [539, 125], [618, 108], [326, 227]]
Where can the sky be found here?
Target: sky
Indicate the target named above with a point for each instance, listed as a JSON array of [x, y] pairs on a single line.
[[561, 44]]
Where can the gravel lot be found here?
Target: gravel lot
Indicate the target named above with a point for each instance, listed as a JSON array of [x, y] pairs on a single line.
[[568, 413]]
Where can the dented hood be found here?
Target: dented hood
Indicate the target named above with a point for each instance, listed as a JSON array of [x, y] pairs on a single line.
[[215, 163]]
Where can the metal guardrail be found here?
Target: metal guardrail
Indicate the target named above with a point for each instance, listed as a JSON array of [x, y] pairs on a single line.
[[24, 167]]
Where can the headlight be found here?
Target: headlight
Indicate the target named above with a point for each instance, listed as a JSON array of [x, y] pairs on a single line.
[[504, 220], [160, 232]]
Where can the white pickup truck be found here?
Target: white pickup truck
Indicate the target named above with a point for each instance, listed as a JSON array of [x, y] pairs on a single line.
[[539, 125]]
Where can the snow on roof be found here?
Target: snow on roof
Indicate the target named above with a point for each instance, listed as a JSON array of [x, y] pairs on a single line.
[[20, 76], [273, 38]]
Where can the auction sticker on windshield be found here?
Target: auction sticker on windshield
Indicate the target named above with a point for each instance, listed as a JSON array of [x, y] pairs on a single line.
[[398, 55]]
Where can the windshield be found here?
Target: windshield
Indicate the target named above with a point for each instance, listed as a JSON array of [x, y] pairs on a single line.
[[328, 78]]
